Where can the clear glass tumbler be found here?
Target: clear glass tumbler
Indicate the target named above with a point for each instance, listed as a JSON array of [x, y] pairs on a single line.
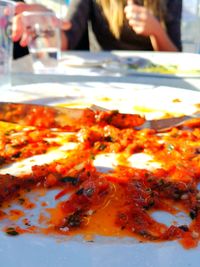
[[45, 43]]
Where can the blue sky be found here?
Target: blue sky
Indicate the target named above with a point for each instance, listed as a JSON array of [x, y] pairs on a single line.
[[190, 5]]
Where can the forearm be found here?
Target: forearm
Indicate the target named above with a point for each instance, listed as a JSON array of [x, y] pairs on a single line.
[[64, 41], [161, 41], [143, 22]]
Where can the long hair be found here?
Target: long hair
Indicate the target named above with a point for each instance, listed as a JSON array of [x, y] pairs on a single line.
[[113, 11]]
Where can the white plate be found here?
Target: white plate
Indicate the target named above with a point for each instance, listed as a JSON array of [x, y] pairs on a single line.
[[152, 101], [41, 251]]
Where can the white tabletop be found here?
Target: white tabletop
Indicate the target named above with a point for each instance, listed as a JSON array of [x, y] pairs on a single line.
[[100, 67]]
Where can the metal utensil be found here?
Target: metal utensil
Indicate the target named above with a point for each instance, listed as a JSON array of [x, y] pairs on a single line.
[[168, 123], [51, 116]]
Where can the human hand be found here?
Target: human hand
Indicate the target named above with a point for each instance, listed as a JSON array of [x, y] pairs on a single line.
[[141, 20], [19, 30]]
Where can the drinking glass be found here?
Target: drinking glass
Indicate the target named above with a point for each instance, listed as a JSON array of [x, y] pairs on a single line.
[[44, 39], [6, 14], [60, 7]]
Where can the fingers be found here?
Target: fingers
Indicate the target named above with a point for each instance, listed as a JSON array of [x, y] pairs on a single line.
[[65, 25], [8, 11], [22, 7], [135, 12], [137, 17], [133, 7], [25, 39], [130, 2], [141, 19], [137, 25], [17, 28], [62, 24], [19, 32]]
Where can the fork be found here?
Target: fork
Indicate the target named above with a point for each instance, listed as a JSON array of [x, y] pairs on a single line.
[[17, 112], [163, 124]]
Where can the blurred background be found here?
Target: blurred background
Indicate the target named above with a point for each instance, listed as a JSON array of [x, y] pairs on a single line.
[[190, 20], [191, 26]]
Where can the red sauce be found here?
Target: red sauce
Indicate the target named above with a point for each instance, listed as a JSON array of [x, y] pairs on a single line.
[[120, 202]]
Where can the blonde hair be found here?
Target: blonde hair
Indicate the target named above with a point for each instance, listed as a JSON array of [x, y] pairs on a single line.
[[113, 11]]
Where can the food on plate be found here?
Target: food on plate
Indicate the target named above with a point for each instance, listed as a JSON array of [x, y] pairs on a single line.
[[106, 178], [156, 66], [164, 69]]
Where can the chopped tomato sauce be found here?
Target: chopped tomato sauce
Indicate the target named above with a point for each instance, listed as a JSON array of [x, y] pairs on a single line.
[[119, 202]]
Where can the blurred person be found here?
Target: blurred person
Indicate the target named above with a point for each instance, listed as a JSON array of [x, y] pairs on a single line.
[[128, 25], [121, 25]]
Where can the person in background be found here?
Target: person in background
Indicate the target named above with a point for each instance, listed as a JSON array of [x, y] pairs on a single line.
[[122, 24], [128, 25]]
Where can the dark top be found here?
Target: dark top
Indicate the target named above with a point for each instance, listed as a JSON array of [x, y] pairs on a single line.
[[83, 11]]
